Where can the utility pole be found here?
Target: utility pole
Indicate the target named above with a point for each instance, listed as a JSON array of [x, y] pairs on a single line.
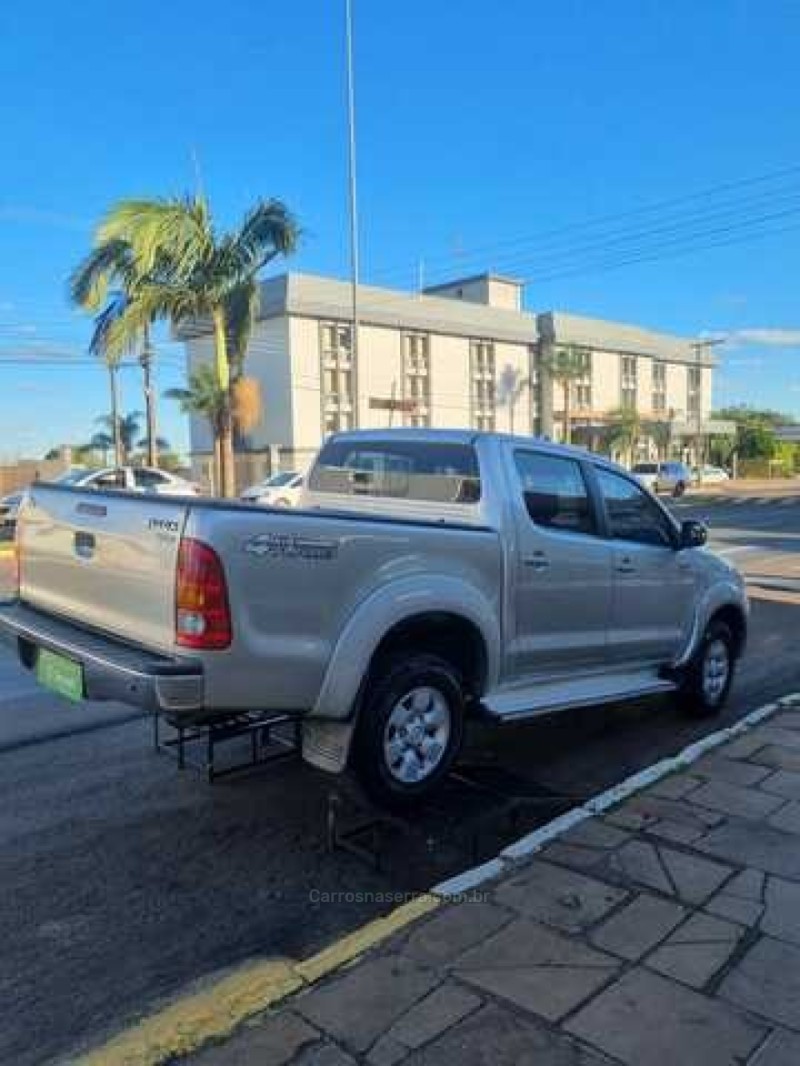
[[353, 196], [146, 361], [113, 369], [698, 348]]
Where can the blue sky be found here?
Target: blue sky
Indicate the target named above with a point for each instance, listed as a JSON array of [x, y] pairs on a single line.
[[484, 132]]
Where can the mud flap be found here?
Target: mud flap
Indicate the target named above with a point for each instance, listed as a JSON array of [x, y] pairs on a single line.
[[326, 744]]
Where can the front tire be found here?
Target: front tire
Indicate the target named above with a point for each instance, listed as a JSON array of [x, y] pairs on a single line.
[[410, 730], [710, 675]]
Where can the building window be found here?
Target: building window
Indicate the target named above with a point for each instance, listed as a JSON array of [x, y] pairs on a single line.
[[417, 379], [694, 391], [628, 381], [659, 387], [482, 377], [582, 385], [336, 375]]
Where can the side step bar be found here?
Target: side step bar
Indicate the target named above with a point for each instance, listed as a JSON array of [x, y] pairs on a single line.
[[520, 703]]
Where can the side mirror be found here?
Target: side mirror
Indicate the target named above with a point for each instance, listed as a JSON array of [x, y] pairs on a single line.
[[693, 534]]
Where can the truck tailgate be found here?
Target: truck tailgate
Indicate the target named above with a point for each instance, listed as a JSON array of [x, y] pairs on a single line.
[[106, 559]]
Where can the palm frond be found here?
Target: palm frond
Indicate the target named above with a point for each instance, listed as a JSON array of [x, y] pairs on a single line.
[[241, 305], [109, 263], [175, 234], [269, 229]]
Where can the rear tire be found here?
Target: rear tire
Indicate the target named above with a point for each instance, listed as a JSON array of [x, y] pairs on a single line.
[[410, 729], [709, 676]]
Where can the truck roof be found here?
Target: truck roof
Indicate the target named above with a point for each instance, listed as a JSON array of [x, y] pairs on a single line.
[[461, 436]]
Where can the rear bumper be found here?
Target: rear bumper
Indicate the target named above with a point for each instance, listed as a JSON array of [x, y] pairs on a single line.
[[112, 670]]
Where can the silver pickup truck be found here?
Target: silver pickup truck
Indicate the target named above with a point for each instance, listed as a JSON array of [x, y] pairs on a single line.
[[427, 576]]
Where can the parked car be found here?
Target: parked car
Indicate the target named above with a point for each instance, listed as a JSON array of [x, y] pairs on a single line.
[[711, 475], [280, 490], [9, 508], [132, 478], [670, 477], [430, 576]]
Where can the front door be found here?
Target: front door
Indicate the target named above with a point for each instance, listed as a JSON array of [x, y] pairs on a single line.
[[654, 585], [562, 586]]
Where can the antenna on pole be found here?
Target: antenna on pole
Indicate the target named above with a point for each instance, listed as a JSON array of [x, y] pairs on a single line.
[[198, 176], [353, 186]]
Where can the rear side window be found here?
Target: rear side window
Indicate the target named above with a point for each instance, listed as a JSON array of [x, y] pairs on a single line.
[[555, 492], [406, 470]]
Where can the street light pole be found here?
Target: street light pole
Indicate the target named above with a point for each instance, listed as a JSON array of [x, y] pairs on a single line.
[[353, 195], [698, 347]]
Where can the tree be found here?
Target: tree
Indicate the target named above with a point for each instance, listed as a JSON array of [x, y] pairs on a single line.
[[661, 433], [624, 430], [755, 430], [109, 275], [565, 366], [129, 427], [192, 272], [204, 397]]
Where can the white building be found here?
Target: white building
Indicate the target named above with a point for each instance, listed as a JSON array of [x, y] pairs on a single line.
[[461, 354]]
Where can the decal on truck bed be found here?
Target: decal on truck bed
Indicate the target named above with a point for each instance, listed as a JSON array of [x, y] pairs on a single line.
[[290, 546]]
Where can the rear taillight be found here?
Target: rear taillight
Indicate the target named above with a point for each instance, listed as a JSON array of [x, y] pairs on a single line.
[[202, 612]]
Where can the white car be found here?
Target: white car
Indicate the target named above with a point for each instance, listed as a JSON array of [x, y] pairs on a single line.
[[132, 478], [280, 490], [711, 475], [671, 477]]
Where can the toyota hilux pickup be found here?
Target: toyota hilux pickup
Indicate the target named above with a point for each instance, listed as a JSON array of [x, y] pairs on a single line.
[[428, 575]]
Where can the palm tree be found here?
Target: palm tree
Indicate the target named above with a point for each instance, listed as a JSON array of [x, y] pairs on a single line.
[[112, 263], [565, 365], [128, 429], [624, 430], [661, 432], [99, 346], [205, 398], [192, 272]]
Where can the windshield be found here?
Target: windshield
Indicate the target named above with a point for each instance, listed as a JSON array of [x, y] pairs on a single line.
[[278, 480], [71, 477]]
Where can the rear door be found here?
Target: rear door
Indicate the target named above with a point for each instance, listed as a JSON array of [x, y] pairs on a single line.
[[105, 559], [562, 585], [654, 585]]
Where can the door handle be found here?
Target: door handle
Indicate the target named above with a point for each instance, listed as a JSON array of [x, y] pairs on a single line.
[[538, 561], [625, 566]]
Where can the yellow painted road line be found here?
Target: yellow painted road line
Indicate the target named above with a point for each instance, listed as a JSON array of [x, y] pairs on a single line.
[[213, 1012]]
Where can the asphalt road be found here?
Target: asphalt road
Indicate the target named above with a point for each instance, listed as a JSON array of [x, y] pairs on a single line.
[[125, 879]]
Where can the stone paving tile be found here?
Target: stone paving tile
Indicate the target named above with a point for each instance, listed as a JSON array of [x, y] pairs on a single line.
[[767, 982], [572, 855], [788, 720], [637, 928], [732, 771], [496, 1036], [745, 747], [541, 971], [563, 898], [326, 1054], [750, 844], [364, 1001], [684, 824], [646, 1020], [453, 930], [689, 878], [782, 912], [275, 1040], [674, 787], [440, 1010], [780, 1049], [741, 899], [777, 757], [783, 783], [697, 950], [736, 801], [788, 818], [593, 833]]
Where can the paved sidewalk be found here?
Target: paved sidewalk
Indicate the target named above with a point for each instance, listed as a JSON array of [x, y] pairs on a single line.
[[665, 931]]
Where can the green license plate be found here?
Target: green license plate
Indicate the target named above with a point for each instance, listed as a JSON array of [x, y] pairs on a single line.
[[60, 674]]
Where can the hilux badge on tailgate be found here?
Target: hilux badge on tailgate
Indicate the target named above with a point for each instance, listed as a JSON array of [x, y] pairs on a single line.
[[290, 546]]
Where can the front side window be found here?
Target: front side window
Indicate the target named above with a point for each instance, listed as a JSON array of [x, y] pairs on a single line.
[[408, 470], [555, 492], [632, 514]]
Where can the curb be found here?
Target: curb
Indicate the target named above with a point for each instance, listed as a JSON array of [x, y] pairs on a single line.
[[211, 1013]]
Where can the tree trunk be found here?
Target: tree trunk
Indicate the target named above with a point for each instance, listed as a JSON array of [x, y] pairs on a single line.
[[146, 359], [116, 428], [227, 471], [567, 413]]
